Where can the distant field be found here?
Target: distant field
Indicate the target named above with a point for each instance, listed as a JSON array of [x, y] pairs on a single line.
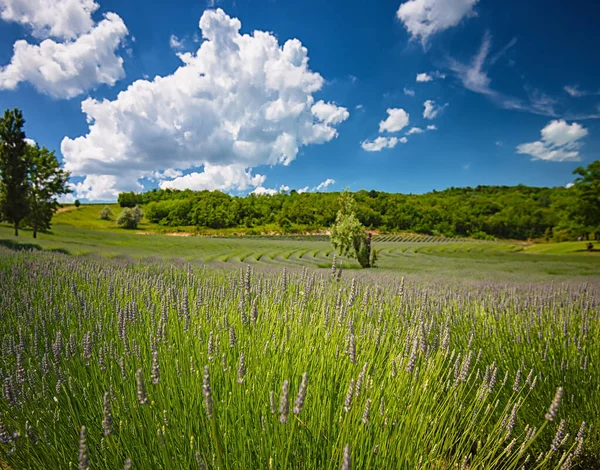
[[468, 259]]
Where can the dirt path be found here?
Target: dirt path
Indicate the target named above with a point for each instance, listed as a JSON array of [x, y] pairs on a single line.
[[66, 209]]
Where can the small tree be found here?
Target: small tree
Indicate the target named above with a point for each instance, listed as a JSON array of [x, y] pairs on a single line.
[[77, 203], [129, 218], [348, 235], [106, 213], [46, 181]]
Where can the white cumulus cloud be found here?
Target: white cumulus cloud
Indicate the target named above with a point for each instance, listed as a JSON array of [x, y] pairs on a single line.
[[329, 113], [223, 178], [560, 142], [409, 92], [381, 143], [396, 121], [415, 130], [432, 110], [69, 68], [424, 77], [65, 19], [238, 102], [424, 18]]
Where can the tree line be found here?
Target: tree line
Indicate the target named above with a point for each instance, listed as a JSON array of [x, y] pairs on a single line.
[[31, 177], [509, 212]]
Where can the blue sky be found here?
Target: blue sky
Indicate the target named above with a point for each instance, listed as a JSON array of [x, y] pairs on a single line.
[[265, 95]]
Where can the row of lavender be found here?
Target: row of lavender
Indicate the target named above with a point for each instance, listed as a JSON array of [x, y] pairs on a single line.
[[123, 364]]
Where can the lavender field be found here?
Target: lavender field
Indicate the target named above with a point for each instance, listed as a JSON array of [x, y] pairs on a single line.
[[149, 364]]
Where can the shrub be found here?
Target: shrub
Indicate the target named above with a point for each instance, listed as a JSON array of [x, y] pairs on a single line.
[[129, 218], [106, 213], [77, 203]]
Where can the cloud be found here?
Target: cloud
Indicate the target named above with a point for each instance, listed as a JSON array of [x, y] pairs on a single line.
[[224, 178], [396, 121], [381, 143], [239, 102], [30, 142], [329, 113], [432, 110], [424, 18], [569, 185], [474, 77], [409, 92], [323, 185], [70, 68], [64, 19], [431, 127], [415, 130], [103, 187], [262, 191], [175, 43], [424, 77], [559, 142], [576, 92], [303, 190]]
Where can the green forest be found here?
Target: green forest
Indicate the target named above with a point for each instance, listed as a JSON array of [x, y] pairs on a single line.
[[508, 212]]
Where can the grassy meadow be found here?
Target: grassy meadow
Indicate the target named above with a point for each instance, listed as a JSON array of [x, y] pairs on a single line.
[[175, 364], [138, 349]]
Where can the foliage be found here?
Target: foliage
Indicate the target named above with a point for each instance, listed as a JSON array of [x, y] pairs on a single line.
[[517, 212], [106, 213], [129, 218], [46, 181], [14, 189], [77, 203], [172, 364], [130, 199], [586, 209], [348, 234]]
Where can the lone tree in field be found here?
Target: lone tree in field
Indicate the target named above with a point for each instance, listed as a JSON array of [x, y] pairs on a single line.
[[77, 203], [46, 181], [129, 218], [348, 235], [14, 188]]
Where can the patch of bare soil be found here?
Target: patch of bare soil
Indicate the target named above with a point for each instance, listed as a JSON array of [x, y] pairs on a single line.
[[179, 234], [66, 209]]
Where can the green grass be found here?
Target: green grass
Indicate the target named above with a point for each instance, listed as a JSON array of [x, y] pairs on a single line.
[[443, 373], [478, 260]]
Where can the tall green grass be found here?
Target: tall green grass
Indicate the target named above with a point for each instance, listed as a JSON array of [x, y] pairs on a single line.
[[179, 365]]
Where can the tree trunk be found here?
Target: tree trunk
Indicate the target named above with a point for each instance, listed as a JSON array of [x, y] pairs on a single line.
[[16, 229], [35, 230]]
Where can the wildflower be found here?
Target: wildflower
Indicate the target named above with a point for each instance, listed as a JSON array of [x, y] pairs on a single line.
[[366, 412], [555, 405], [272, 402], [155, 374], [284, 404], [352, 349], [141, 390], [558, 437], [349, 395], [299, 403], [127, 465], [241, 369], [517, 385], [208, 399], [579, 439], [84, 459], [107, 421], [347, 462], [232, 337]]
